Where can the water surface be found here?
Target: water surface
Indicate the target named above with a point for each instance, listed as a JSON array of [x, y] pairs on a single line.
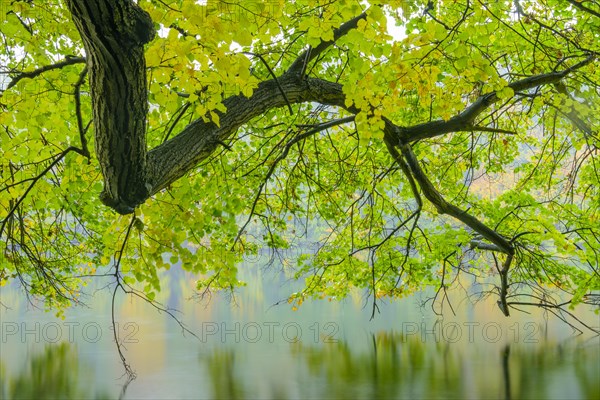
[[248, 348]]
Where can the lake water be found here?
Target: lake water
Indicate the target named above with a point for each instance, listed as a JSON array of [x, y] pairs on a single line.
[[248, 348]]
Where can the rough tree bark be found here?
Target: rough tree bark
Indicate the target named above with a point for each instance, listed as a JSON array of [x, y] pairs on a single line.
[[114, 34]]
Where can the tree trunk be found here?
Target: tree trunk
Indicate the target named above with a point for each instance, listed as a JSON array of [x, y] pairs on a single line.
[[114, 34]]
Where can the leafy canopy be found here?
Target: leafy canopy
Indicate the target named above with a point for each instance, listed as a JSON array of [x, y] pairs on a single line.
[[399, 145]]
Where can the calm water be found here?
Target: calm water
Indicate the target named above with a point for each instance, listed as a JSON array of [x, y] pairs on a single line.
[[248, 348]]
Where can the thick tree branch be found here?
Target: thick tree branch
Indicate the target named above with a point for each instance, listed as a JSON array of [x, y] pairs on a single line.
[[481, 245], [444, 207], [114, 34], [266, 64], [499, 243], [174, 158], [466, 119]]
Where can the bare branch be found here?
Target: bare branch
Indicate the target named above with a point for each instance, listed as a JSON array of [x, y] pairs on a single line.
[[579, 4], [41, 70], [299, 65], [16, 205], [274, 78], [282, 156], [82, 129]]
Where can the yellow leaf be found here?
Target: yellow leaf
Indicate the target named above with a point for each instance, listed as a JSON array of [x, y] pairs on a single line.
[[215, 118], [505, 93]]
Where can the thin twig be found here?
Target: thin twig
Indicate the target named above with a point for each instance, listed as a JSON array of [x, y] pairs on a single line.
[[274, 78], [41, 70]]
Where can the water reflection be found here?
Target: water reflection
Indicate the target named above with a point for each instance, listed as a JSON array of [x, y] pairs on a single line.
[[560, 371], [226, 383], [396, 366], [384, 365], [246, 349], [54, 373], [506, 371]]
